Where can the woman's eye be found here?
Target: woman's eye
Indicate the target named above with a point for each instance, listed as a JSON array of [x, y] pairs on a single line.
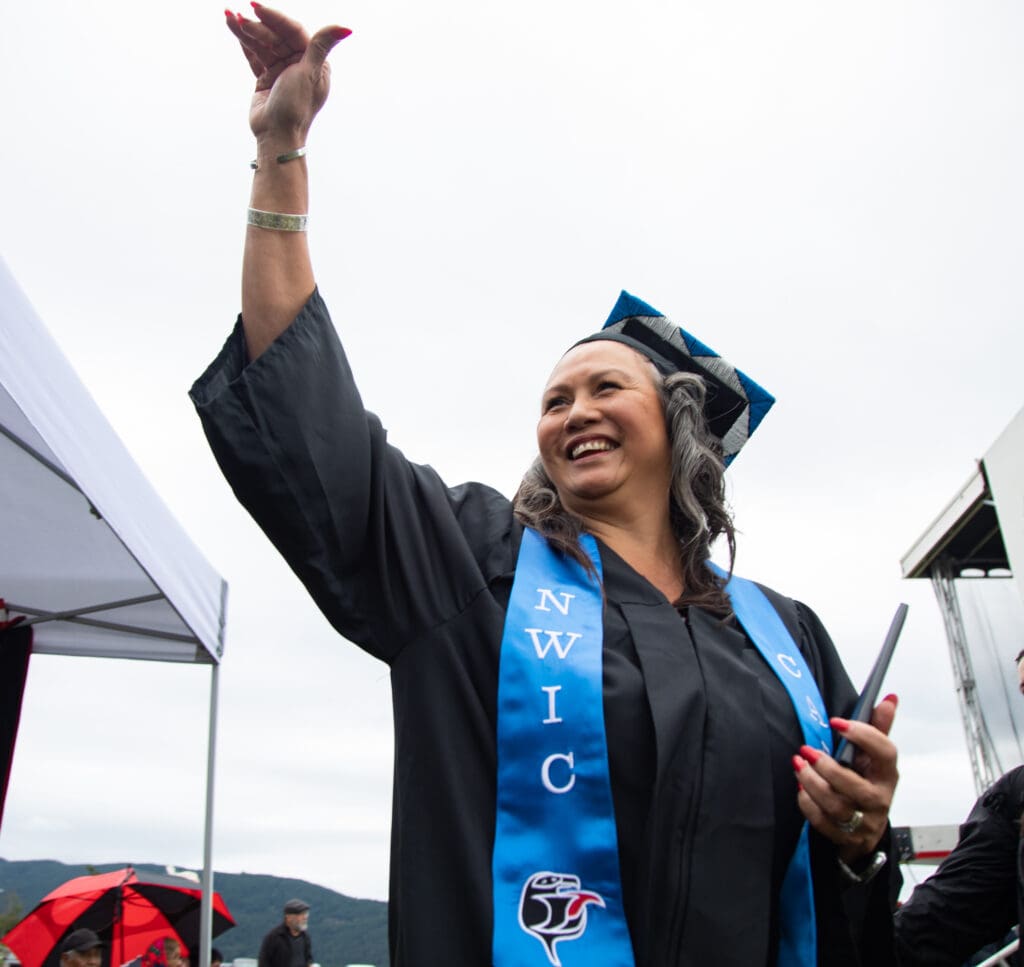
[[607, 385], [554, 403]]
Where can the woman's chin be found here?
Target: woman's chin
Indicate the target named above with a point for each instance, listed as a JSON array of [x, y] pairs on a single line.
[[587, 496]]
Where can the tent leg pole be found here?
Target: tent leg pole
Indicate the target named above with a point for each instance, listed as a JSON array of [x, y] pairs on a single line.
[[206, 910]]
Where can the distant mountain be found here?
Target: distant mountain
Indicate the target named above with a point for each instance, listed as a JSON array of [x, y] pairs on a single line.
[[343, 930]]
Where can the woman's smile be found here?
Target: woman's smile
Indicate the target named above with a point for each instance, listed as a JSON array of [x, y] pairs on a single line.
[[582, 449]]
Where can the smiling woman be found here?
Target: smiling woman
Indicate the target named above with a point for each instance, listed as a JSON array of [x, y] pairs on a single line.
[[596, 732], [675, 458], [602, 432]]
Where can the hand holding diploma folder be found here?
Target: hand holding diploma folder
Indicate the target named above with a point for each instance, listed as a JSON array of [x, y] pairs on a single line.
[[869, 696], [846, 797]]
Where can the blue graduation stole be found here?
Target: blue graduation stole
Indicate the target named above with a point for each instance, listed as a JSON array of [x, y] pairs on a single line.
[[798, 944], [555, 863]]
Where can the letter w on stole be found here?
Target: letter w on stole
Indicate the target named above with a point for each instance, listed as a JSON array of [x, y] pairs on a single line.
[[554, 640]]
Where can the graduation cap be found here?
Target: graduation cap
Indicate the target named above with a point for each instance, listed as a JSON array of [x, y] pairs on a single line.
[[734, 405]]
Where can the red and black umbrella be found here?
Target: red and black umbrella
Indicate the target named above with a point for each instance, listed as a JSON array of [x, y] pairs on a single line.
[[127, 911]]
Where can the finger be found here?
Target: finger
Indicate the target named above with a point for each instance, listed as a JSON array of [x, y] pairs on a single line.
[[836, 803], [252, 44], [257, 67], [884, 714], [232, 19], [262, 39], [830, 810], [288, 31], [873, 790], [863, 840], [322, 43], [814, 811], [872, 742], [839, 794], [268, 56], [814, 814], [255, 64], [882, 719]]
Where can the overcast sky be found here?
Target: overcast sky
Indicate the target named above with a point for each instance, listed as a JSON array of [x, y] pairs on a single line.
[[828, 194]]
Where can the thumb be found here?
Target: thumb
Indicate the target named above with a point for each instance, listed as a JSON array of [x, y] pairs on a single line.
[[321, 44]]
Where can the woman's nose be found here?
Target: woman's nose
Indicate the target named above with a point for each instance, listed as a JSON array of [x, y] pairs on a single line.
[[581, 412]]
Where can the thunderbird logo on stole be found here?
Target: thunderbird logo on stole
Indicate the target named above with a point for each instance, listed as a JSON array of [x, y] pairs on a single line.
[[553, 908]]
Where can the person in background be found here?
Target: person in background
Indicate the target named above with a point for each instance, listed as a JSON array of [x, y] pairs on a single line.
[[165, 952], [976, 896], [216, 957], [81, 948], [288, 944]]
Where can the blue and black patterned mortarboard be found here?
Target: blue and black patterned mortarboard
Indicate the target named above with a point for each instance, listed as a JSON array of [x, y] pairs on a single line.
[[735, 404]]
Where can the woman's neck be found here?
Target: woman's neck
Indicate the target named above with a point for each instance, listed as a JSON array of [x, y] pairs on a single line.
[[647, 544]]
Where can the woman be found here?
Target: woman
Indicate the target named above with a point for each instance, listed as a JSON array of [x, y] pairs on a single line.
[[646, 810], [165, 952]]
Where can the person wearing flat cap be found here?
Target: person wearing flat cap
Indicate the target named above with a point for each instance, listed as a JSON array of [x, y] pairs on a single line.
[[81, 948], [288, 944], [607, 751]]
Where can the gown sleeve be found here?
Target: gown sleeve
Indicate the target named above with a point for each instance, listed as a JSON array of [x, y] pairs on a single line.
[[971, 899], [383, 546]]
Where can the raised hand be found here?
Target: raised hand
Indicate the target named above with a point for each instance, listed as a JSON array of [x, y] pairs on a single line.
[[293, 77], [293, 80]]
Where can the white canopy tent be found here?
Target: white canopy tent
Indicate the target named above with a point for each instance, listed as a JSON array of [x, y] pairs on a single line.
[[90, 554]]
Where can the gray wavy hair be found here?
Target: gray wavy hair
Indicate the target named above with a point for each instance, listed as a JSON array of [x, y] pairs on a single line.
[[698, 509]]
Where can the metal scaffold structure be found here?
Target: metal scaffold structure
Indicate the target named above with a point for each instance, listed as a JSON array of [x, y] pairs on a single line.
[[973, 553]]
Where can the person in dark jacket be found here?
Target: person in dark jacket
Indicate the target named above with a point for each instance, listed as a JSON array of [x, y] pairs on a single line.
[[976, 896], [288, 944]]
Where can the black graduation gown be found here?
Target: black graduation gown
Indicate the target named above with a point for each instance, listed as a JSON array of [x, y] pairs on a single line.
[[700, 732]]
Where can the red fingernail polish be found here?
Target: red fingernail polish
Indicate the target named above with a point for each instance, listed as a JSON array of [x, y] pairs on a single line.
[[254, 4], [798, 763], [342, 32], [840, 725], [811, 755], [891, 698]]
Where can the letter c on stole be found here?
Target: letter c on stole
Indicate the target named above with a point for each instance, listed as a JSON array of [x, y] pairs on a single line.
[[545, 773], [790, 665]]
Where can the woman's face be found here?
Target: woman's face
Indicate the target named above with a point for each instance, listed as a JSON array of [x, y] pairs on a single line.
[[601, 434]]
